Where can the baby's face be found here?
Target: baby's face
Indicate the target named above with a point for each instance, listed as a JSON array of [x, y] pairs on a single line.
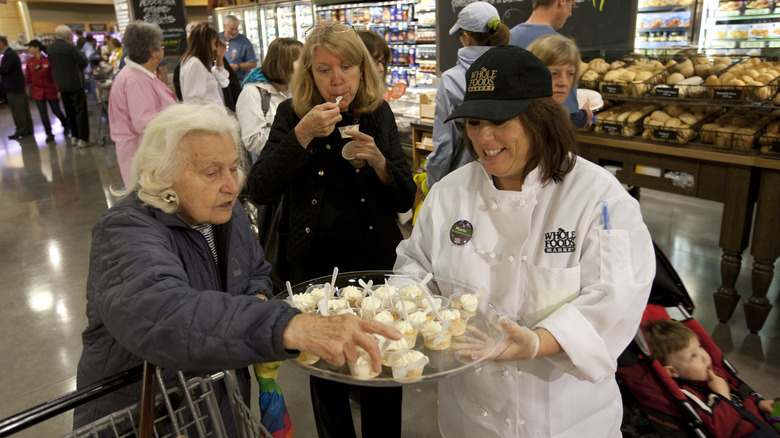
[[690, 363]]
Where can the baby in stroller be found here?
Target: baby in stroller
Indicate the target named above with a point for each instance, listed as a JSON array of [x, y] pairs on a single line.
[[725, 410], [654, 404]]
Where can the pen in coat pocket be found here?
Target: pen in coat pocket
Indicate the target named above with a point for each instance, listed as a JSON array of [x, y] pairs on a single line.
[[605, 215]]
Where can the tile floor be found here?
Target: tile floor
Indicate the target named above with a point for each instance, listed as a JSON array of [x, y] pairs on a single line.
[[52, 194]]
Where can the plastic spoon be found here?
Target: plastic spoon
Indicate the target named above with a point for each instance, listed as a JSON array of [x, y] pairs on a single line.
[[403, 370], [335, 273], [444, 328], [338, 99], [403, 308], [433, 306], [289, 289]]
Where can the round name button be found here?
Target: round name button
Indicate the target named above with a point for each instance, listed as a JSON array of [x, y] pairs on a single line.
[[461, 232]]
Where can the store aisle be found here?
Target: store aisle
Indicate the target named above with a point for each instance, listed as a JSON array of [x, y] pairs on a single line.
[[53, 194]]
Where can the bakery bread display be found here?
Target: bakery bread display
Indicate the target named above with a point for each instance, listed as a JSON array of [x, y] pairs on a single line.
[[625, 119], [675, 123], [738, 128]]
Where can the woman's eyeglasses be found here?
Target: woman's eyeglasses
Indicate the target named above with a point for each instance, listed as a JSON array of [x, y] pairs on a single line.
[[334, 27]]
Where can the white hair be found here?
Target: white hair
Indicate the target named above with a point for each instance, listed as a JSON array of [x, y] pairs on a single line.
[[159, 158], [231, 19], [63, 32]]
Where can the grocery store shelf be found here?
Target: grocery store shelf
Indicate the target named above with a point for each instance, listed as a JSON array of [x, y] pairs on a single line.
[[674, 8], [744, 17], [664, 29]]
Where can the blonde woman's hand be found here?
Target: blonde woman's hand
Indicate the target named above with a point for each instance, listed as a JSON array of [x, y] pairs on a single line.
[[319, 122], [365, 149]]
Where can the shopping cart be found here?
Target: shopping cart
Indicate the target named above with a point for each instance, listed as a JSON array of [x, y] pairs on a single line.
[[102, 79], [190, 408]]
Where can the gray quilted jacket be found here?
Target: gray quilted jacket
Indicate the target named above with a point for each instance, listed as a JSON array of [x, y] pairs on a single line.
[[154, 293]]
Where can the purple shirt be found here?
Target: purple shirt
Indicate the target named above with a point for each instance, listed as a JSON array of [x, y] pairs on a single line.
[[136, 97]]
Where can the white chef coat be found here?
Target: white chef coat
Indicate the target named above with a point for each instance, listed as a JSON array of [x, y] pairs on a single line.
[[547, 261]]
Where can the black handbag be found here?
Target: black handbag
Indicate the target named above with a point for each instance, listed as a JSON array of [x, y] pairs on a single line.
[[266, 223]]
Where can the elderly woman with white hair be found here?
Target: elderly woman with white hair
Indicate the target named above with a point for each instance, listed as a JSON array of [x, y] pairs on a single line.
[[136, 94], [176, 278]]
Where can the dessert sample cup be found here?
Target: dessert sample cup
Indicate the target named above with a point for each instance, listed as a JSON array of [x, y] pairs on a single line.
[[348, 152], [408, 364], [436, 336]]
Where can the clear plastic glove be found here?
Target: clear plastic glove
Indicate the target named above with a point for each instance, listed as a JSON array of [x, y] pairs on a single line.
[[521, 344]]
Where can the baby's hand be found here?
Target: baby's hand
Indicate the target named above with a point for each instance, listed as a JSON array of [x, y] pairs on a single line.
[[718, 384], [766, 406]]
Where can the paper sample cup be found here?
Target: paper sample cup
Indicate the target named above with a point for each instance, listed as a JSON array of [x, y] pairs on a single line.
[[466, 302], [408, 364], [348, 152], [306, 358], [458, 318], [436, 336], [361, 368]]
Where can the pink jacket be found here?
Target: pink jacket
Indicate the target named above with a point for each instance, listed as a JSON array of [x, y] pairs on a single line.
[[136, 97]]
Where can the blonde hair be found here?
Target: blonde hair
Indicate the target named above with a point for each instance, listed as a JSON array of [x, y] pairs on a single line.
[[344, 42], [159, 158], [667, 337], [556, 49]]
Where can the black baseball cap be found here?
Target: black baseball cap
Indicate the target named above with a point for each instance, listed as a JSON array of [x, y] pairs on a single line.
[[501, 84], [35, 43]]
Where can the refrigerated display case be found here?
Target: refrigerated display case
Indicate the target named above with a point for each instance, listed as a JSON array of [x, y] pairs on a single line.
[[408, 26], [265, 22], [749, 28], [247, 16], [666, 25]]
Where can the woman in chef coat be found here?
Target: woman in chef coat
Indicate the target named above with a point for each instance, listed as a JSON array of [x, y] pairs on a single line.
[[558, 243]]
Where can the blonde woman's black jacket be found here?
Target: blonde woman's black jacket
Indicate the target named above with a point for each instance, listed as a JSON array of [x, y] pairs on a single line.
[[334, 214]]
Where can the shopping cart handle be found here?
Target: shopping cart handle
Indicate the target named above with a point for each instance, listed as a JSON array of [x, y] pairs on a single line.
[[18, 422]]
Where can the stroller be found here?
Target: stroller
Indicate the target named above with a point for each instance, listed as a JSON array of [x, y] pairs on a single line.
[[653, 403]]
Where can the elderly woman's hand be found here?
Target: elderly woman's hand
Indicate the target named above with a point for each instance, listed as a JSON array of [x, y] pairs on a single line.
[[319, 122], [365, 149], [334, 338]]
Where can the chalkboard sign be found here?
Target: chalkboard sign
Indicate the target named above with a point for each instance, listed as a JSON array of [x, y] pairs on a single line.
[[170, 15], [595, 25]]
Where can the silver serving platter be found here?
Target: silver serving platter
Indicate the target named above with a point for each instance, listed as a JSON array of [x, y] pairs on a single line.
[[442, 363]]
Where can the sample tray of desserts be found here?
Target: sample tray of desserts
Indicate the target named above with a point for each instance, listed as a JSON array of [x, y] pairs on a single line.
[[448, 327]]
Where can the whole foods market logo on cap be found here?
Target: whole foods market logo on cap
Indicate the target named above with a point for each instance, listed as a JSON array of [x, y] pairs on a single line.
[[482, 80]]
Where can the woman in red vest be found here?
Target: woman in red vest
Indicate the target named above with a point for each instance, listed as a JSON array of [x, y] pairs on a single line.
[[43, 88]]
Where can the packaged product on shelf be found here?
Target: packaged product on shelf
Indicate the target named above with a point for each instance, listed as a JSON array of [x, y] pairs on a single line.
[[737, 31], [758, 7], [761, 30], [730, 8]]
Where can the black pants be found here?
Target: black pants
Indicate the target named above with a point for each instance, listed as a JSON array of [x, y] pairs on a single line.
[[75, 104], [20, 111], [55, 108], [380, 409]]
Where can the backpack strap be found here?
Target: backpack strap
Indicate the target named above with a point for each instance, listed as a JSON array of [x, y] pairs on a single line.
[[265, 99]]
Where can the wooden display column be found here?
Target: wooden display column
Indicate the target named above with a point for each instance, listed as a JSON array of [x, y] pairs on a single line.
[[737, 214], [765, 248]]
